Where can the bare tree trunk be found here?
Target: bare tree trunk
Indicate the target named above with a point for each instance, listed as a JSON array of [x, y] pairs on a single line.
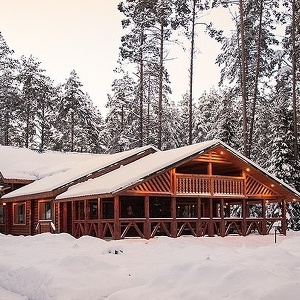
[[192, 74], [43, 126], [257, 70], [141, 87], [148, 109], [6, 128], [27, 125], [243, 73], [72, 131], [294, 67], [160, 96]]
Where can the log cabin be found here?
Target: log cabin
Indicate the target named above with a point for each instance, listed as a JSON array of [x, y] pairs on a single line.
[[205, 189]]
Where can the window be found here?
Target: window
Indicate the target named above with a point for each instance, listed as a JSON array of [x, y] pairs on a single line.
[[45, 210], [132, 207], [79, 210], [93, 209], [2, 214], [108, 209], [160, 207], [19, 213]]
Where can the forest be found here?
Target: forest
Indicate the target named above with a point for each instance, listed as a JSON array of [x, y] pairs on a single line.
[[255, 108]]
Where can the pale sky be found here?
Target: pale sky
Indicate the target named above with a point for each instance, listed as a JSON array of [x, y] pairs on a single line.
[[85, 35]]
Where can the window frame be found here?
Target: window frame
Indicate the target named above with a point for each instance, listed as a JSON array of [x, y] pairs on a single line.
[[16, 214], [42, 205]]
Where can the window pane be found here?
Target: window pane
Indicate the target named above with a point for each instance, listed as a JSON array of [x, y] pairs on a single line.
[[45, 211], [93, 209], [19, 213]]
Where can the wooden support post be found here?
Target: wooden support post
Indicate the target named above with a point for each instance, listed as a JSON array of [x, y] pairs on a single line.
[[211, 230], [56, 210], [283, 218], [173, 183], [73, 218], [222, 224], [211, 183], [147, 224], [264, 222], [86, 216], [117, 229], [199, 222], [99, 225], [173, 216], [244, 215]]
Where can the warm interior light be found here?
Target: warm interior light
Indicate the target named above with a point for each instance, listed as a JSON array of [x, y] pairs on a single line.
[[4, 203], [222, 152], [272, 185], [247, 169]]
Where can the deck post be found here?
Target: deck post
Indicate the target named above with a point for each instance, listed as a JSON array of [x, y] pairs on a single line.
[[73, 218], [199, 222], [264, 222], [211, 221], [173, 216], [244, 215], [99, 225], [117, 231], [147, 224], [283, 219], [56, 210], [222, 224], [85, 205]]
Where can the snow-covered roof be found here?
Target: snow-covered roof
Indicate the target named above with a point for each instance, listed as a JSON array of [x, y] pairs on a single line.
[[134, 172], [66, 169], [26, 164], [155, 163], [70, 169]]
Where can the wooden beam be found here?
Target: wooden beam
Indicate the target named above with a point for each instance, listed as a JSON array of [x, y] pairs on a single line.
[[264, 222], [173, 216], [117, 229], [147, 224], [283, 221], [211, 222], [244, 215], [222, 224]]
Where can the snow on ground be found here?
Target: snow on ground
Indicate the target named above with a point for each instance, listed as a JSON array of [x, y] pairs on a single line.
[[61, 267]]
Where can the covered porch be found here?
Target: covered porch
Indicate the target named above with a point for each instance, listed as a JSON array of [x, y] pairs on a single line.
[[149, 216]]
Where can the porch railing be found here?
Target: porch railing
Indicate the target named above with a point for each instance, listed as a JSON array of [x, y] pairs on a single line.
[[149, 228], [205, 185]]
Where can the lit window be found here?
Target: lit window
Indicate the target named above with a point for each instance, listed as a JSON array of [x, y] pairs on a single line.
[[45, 212], [19, 213]]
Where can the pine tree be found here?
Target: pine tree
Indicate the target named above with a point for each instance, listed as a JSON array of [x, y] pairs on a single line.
[[78, 122], [9, 93], [247, 59], [35, 86]]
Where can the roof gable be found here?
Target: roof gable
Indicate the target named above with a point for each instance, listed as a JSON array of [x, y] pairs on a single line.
[[141, 174]]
